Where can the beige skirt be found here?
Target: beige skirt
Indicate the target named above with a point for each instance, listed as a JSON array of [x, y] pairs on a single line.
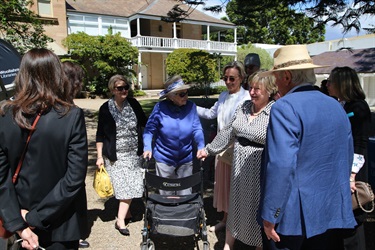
[[222, 186]]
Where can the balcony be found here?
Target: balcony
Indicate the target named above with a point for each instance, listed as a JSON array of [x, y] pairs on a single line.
[[163, 44]]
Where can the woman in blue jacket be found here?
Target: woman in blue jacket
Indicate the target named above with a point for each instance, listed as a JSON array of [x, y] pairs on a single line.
[[174, 126]]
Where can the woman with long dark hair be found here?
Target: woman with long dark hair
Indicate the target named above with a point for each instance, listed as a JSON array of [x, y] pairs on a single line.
[[46, 206], [344, 84]]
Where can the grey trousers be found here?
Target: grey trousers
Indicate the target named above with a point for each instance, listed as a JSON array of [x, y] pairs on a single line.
[[174, 172]]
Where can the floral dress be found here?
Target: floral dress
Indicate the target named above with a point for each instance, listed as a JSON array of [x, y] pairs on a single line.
[[126, 173]]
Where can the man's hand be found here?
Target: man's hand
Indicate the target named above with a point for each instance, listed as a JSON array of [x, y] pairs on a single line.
[[269, 230]]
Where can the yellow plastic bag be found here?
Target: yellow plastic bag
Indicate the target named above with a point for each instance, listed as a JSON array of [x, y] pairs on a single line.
[[102, 183]]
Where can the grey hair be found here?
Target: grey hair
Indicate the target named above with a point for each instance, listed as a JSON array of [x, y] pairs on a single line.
[[236, 65], [114, 79], [303, 76]]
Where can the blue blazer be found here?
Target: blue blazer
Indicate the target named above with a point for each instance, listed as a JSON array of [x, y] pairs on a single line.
[[307, 163]]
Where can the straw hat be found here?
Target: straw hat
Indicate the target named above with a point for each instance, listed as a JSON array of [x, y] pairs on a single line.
[[173, 84], [293, 57]]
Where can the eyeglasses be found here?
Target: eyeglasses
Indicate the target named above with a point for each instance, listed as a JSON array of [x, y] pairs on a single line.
[[182, 94], [231, 78], [122, 88]]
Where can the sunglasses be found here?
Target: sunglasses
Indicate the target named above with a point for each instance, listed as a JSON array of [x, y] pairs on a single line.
[[231, 78], [182, 94], [122, 88]]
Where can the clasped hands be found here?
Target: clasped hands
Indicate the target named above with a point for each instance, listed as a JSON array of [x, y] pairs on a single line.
[[29, 238]]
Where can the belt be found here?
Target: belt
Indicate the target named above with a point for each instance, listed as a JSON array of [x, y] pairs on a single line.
[[244, 142]]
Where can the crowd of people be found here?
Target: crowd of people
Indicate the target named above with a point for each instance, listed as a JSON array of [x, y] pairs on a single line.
[[281, 181]]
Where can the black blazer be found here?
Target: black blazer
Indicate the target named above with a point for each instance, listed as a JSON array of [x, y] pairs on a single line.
[[360, 120], [106, 131], [51, 183]]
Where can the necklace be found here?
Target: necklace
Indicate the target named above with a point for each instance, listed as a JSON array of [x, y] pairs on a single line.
[[255, 113], [120, 108]]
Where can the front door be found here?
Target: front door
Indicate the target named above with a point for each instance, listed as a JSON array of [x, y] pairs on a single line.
[[144, 76]]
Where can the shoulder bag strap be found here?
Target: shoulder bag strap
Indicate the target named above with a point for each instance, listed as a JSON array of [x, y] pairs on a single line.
[[15, 176]]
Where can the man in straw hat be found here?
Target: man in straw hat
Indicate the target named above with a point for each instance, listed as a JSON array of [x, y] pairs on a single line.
[[305, 192]]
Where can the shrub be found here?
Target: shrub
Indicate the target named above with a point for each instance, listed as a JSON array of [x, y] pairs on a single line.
[[193, 65]]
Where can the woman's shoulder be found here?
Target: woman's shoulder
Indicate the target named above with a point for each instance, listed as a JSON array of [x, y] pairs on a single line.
[[190, 103], [131, 100], [223, 95], [359, 106], [104, 105]]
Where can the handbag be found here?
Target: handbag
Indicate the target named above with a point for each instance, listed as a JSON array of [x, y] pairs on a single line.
[[102, 183], [226, 156], [5, 234], [362, 196]]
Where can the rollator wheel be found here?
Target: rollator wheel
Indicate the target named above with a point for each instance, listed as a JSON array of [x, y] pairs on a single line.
[[206, 245], [149, 246]]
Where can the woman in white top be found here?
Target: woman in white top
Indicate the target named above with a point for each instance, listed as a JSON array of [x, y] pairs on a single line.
[[223, 110]]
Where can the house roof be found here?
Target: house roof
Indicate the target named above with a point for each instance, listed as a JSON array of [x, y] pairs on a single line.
[[361, 60], [128, 8]]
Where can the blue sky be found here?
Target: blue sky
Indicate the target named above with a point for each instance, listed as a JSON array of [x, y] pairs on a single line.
[[332, 33]]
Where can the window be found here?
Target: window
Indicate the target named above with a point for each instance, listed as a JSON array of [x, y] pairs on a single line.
[[44, 7], [97, 25]]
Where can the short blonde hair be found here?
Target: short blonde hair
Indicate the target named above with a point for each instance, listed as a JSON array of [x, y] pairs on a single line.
[[269, 82]]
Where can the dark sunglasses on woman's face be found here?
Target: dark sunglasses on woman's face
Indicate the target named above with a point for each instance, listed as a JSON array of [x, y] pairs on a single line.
[[182, 94], [122, 88], [231, 78]]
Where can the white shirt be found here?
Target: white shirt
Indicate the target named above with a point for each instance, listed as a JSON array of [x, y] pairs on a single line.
[[224, 108]]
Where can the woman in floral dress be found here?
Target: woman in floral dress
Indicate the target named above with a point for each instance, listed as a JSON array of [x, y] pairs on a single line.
[[119, 145]]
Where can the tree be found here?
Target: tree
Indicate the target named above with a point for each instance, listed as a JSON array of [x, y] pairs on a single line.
[[102, 56], [283, 26], [20, 26], [193, 65], [338, 12]]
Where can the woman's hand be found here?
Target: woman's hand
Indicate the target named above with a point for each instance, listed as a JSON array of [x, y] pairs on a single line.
[[29, 239], [23, 213], [99, 162], [201, 154], [147, 155]]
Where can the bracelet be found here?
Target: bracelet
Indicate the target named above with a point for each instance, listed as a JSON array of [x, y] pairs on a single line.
[[352, 179], [100, 157]]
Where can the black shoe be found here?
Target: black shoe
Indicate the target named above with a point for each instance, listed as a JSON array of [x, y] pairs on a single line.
[[83, 244], [123, 231]]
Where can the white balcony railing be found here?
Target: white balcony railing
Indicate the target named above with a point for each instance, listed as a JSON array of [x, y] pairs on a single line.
[[177, 43]]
